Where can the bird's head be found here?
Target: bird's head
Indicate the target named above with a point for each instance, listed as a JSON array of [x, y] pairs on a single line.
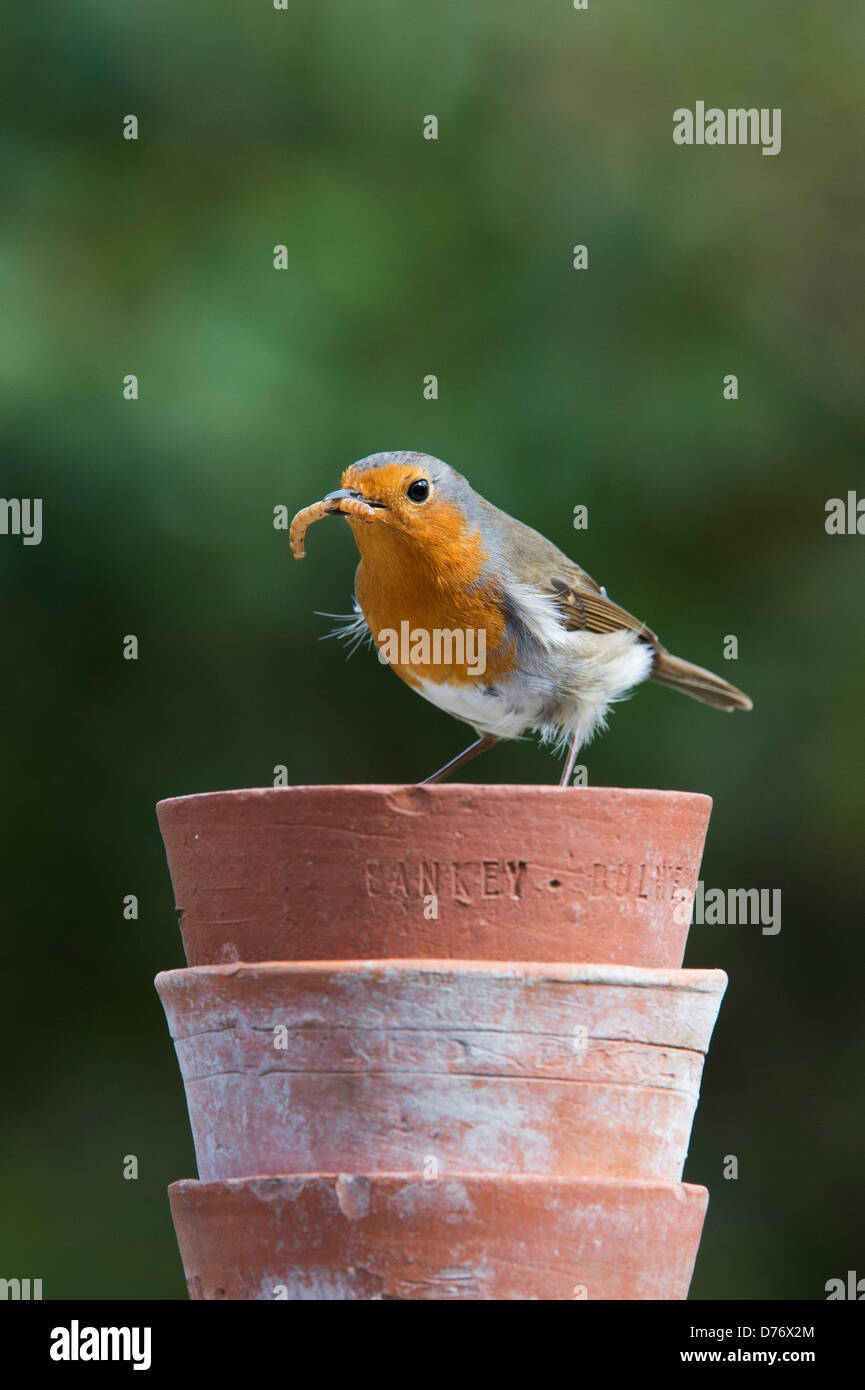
[[421, 511], [411, 512], [414, 495]]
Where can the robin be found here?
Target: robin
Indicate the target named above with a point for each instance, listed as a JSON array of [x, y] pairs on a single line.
[[542, 646]]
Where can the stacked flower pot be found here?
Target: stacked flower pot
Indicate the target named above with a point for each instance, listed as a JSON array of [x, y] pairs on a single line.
[[437, 1042]]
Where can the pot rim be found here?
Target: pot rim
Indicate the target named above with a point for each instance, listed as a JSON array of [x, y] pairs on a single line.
[[699, 981], [440, 791], [683, 1190]]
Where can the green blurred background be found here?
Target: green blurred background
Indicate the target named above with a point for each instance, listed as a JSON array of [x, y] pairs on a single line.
[[557, 387]]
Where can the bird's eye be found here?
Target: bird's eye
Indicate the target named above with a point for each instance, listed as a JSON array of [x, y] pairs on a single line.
[[418, 491]]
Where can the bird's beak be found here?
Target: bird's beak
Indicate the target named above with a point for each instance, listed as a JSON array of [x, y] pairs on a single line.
[[333, 500], [346, 501]]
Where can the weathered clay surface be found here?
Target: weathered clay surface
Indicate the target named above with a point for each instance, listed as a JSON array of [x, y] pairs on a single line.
[[454, 871], [466, 1237], [400, 1066]]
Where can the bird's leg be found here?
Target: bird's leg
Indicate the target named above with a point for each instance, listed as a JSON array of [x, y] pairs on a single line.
[[484, 742], [569, 765]]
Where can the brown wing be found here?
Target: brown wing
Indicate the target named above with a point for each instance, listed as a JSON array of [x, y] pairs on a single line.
[[582, 601], [585, 610], [528, 552]]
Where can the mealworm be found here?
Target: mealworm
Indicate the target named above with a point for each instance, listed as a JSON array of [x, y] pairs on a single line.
[[349, 506]]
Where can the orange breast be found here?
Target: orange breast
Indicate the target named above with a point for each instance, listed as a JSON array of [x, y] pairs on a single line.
[[425, 604]]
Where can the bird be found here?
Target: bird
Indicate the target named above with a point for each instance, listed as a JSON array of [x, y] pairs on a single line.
[[544, 649]]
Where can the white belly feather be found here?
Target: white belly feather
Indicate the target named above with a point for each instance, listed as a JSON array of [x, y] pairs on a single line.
[[565, 683], [568, 692]]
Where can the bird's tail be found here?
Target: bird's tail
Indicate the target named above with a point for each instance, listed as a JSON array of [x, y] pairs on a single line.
[[695, 681]]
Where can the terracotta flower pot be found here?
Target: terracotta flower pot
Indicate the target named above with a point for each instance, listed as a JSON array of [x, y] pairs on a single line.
[[443, 872], [465, 1000], [560, 1071], [385, 1237]]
